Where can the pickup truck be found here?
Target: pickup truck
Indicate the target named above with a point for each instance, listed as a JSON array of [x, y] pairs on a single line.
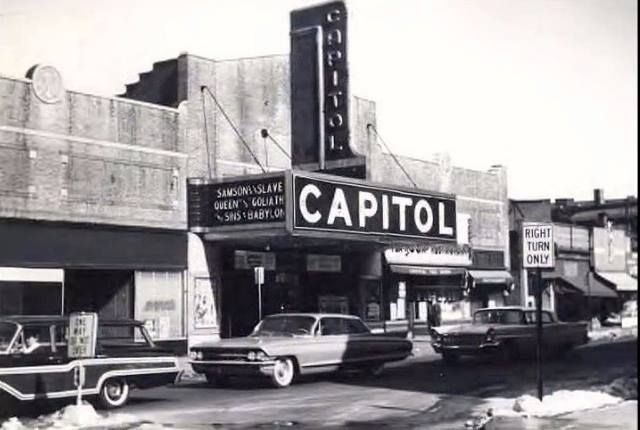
[[507, 332]]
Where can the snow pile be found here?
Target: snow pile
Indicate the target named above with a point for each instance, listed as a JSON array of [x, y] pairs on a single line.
[[557, 403], [71, 417], [625, 387], [612, 333]]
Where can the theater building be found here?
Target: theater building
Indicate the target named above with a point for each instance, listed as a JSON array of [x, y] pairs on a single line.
[[160, 203]]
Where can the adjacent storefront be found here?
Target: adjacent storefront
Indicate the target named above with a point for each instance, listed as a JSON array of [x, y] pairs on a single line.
[[59, 268], [611, 248], [429, 284]]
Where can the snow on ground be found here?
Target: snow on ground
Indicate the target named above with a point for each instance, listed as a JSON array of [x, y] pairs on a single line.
[[78, 417], [557, 403], [610, 333]]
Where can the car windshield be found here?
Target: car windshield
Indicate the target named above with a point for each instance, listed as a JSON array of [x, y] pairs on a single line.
[[7, 331], [285, 325], [498, 316]]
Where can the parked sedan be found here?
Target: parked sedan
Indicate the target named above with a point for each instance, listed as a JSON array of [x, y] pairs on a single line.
[[34, 362], [509, 332], [286, 345]]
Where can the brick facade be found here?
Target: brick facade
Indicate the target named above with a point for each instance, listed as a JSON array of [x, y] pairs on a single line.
[[90, 159]]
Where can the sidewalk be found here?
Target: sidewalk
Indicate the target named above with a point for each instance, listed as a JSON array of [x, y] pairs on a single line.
[[623, 416]]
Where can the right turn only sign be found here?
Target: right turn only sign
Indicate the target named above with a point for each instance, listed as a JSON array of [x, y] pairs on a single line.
[[537, 246]]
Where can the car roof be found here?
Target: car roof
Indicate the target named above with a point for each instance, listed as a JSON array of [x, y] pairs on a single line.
[[510, 308], [48, 319], [314, 315]]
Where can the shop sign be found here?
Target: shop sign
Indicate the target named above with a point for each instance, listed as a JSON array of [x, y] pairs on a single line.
[[632, 264], [250, 259], [436, 255], [609, 250], [83, 330], [335, 206], [537, 246], [571, 237], [237, 203], [319, 83], [324, 263]]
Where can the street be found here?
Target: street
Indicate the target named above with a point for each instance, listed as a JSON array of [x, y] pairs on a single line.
[[418, 392]]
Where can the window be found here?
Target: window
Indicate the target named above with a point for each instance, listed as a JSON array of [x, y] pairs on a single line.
[[335, 326], [113, 336], [531, 317], [498, 316], [355, 326], [158, 302], [332, 326], [7, 331], [35, 340], [285, 325]]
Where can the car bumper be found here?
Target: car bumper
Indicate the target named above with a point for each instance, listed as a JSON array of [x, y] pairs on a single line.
[[483, 348], [233, 368]]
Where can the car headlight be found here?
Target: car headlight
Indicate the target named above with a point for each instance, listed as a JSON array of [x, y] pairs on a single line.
[[195, 355], [490, 337], [256, 356]]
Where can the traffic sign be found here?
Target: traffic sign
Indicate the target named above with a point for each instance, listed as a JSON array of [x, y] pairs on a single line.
[[83, 328], [258, 274], [537, 246]]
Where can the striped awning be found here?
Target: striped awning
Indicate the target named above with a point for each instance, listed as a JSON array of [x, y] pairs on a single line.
[[426, 270], [621, 280], [491, 277]]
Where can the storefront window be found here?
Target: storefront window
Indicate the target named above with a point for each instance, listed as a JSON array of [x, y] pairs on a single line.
[[30, 298], [204, 307], [158, 302]]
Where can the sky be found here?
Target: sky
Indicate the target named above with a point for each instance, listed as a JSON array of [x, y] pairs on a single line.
[[547, 88]]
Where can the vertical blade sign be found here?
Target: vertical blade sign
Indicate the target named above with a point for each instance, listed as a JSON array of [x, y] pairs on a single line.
[[319, 84]]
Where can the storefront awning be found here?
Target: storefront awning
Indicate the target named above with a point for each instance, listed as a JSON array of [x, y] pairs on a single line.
[[491, 277], [22, 274], [426, 270], [621, 280], [593, 288]]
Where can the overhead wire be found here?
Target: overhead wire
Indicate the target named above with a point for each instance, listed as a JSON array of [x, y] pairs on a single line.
[[233, 126], [372, 127]]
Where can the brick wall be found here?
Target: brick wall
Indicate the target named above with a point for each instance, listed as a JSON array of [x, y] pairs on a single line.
[[90, 159], [481, 195]]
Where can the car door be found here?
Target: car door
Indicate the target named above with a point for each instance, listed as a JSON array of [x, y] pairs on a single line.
[[332, 340], [38, 367]]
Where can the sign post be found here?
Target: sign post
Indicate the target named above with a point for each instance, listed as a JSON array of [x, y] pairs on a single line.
[[538, 253], [83, 329], [258, 273]]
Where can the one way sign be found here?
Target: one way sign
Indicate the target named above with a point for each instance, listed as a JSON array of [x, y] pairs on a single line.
[[537, 246]]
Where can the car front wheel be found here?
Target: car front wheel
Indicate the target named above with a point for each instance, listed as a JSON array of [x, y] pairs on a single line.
[[450, 358], [217, 380], [114, 393], [283, 372]]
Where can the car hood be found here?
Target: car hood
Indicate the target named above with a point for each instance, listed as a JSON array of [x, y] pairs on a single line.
[[464, 329], [257, 342]]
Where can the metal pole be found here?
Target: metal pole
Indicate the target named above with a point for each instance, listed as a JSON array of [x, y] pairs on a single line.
[[539, 286], [259, 301]]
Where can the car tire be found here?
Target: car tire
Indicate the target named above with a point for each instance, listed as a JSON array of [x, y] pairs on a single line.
[[8, 405], [450, 358], [114, 393], [217, 380], [374, 370], [508, 352], [284, 371]]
